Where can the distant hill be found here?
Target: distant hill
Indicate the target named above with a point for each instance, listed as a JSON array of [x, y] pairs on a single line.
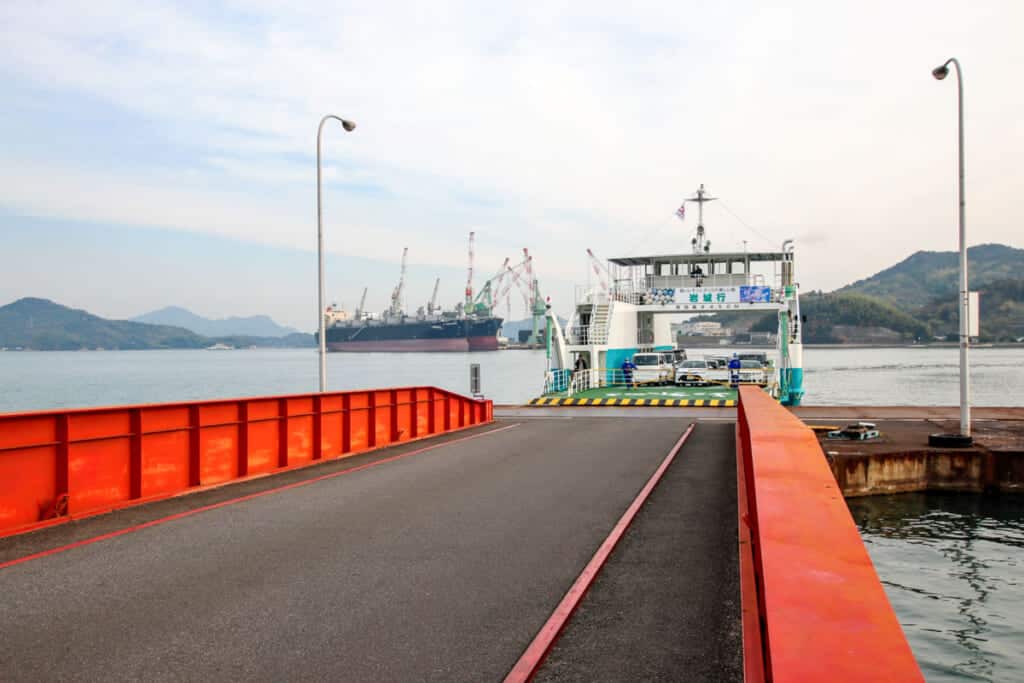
[[251, 326], [41, 324], [837, 318], [44, 325], [912, 300], [1002, 311], [929, 275]]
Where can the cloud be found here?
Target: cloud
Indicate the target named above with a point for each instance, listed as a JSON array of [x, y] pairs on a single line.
[[556, 126]]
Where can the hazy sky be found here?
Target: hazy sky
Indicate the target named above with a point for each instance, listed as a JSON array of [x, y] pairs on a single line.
[[163, 153]]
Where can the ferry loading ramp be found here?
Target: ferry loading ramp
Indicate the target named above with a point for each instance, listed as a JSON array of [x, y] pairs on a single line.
[[453, 558]]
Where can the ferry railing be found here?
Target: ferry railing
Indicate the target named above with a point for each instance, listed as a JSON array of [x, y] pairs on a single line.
[[556, 381], [584, 335], [55, 465], [582, 380]]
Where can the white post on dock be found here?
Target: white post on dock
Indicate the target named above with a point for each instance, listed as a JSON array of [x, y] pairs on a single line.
[[349, 126], [940, 73]]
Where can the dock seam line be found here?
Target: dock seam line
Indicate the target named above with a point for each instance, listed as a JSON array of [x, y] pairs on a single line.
[[242, 499], [538, 649]]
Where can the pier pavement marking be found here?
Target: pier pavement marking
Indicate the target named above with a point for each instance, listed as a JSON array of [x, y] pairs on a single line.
[[532, 658], [657, 402], [242, 499]]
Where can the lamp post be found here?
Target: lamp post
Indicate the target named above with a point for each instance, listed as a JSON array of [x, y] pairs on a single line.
[[940, 72], [348, 126]]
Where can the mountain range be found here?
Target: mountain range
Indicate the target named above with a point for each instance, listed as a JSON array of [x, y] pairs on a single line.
[[251, 326], [41, 324]]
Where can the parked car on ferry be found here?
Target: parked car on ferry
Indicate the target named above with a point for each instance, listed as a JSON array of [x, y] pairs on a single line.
[[654, 368], [753, 372], [692, 373], [756, 356]]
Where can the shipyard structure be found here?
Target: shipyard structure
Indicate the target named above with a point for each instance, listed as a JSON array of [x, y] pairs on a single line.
[[471, 325]]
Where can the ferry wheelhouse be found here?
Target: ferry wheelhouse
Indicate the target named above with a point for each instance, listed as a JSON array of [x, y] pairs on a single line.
[[628, 314]]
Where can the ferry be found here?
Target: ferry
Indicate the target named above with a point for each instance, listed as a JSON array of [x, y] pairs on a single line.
[[627, 315]]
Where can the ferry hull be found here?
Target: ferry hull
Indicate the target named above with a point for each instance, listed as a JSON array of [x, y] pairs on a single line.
[[401, 345]]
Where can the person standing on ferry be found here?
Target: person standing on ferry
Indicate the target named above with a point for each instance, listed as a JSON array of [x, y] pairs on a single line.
[[734, 370], [628, 366]]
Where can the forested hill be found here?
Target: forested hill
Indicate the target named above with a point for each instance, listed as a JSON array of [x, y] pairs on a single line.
[[41, 324], [47, 326], [927, 276], [914, 300]]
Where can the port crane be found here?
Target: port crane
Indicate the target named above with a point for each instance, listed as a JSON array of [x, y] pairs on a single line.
[[432, 305], [537, 306], [600, 270], [361, 309], [468, 305], [396, 295]]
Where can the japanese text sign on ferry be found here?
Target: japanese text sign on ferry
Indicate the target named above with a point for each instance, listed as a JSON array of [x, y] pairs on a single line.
[[720, 295]]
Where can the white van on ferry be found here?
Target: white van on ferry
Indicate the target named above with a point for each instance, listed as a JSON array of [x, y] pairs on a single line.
[[654, 367]]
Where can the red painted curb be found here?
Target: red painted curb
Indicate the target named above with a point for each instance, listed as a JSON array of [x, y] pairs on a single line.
[[534, 655], [240, 499]]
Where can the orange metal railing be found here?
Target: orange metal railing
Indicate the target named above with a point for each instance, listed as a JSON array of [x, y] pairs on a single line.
[[813, 607], [55, 465]]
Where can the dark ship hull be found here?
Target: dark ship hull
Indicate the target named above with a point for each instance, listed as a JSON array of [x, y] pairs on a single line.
[[483, 334], [458, 334]]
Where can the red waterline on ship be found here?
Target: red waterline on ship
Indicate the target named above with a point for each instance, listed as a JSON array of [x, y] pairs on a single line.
[[399, 345]]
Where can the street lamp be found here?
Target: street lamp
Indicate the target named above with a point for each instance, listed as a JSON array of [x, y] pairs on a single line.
[[349, 126], [940, 72]]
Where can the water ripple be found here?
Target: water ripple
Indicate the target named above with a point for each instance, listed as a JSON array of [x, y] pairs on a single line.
[[951, 566]]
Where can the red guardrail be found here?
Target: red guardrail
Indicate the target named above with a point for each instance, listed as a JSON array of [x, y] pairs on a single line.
[[55, 465], [813, 607]]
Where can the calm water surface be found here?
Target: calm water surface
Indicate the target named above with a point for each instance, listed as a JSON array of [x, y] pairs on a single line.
[[40, 380], [953, 568]]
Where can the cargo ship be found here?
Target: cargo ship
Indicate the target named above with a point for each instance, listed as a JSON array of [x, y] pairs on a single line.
[[467, 327], [412, 333]]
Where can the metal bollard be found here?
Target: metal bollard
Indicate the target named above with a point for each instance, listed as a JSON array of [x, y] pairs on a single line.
[[474, 380]]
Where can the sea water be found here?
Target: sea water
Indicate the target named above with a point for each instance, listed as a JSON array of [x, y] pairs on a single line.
[[953, 568], [32, 380]]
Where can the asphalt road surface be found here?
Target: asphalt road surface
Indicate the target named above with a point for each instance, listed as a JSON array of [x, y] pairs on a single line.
[[666, 605], [438, 566]]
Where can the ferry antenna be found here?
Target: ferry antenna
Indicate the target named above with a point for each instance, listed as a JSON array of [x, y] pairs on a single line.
[[700, 244]]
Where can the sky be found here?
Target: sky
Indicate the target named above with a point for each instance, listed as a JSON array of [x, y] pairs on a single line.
[[160, 153]]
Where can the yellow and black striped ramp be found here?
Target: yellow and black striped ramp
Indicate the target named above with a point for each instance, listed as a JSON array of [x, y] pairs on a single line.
[[638, 402]]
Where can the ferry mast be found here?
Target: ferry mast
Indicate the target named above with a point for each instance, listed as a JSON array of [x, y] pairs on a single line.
[[700, 244]]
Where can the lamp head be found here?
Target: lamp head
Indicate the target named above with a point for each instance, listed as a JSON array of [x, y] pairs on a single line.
[[348, 125], [940, 72]]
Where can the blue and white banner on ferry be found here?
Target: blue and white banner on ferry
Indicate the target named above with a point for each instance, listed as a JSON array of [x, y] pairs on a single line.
[[744, 294]]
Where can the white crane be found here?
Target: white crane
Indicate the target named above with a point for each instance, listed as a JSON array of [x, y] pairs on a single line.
[[469, 276], [396, 296], [362, 304], [432, 306], [600, 270]]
